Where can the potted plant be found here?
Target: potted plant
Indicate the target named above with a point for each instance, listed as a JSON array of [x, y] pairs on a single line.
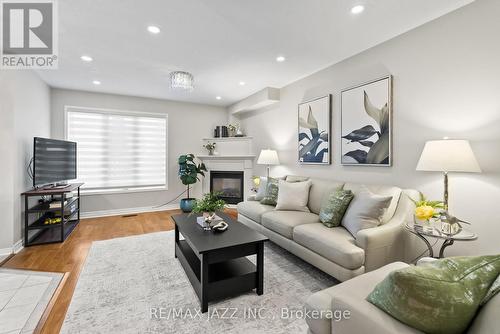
[[188, 173], [209, 205], [426, 210], [210, 147]]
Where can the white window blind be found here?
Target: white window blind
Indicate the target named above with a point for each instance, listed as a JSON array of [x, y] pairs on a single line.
[[118, 150]]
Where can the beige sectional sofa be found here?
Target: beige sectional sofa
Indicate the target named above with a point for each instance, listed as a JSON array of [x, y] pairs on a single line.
[[334, 250], [364, 317]]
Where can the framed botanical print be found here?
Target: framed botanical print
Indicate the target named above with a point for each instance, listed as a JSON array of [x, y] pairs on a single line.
[[314, 131], [366, 129]]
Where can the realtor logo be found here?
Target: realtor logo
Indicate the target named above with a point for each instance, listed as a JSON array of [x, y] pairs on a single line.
[[29, 34]]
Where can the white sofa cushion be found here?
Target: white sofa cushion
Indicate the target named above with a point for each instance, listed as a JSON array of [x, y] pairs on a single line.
[[254, 210], [283, 222], [293, 196], [335, 244], [365, 211], [487, 320]]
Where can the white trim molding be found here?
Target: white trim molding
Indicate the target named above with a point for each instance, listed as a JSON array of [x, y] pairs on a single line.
[[16, 248], [127, 211]]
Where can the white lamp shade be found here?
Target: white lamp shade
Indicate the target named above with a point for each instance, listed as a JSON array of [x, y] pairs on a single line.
[[448, 156], [268, 157]]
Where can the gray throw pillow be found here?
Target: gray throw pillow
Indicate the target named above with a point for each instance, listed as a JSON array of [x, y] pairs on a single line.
[[365, 211], [271, 196], [334, 206]]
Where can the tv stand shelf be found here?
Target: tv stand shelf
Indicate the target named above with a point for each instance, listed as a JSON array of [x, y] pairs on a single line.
[[36, 232]]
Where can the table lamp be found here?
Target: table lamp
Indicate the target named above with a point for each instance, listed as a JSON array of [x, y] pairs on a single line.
[[268, 158], [448, 156]]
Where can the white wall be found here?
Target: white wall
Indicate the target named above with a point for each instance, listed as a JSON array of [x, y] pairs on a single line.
[[25, 113], [188, 123], [446, 83]]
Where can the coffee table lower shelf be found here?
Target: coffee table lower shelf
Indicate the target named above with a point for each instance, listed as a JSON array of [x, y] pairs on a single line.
[[216, 280]]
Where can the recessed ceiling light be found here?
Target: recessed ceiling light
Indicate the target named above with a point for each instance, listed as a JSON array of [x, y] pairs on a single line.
[[218, 98], [357, 9], [87, 59], [280, 59], [96, 82], [242, 83], [154, 29]]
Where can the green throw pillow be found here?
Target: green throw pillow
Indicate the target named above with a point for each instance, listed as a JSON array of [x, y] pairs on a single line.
[[334, 206], [494, 289], [271, 196], [439, 297]]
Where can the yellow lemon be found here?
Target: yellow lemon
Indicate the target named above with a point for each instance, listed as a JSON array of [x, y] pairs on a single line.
[[424, 212]]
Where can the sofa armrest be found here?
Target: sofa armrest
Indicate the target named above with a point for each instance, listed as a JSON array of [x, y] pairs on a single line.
[[385, 243]]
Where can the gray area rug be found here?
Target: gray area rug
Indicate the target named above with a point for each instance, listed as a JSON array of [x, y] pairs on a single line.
[[135, 285]]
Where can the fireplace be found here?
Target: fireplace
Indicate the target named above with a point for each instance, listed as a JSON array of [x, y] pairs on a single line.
[[229, 184]]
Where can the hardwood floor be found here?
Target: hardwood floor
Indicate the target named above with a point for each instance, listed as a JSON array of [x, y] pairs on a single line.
[[69, 257]]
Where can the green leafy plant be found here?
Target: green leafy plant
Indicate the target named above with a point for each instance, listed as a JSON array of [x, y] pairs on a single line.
[[210, 202], [189, 170], [210, 146]]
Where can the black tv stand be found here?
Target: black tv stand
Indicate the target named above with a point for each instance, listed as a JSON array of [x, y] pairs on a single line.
[[36, 229]]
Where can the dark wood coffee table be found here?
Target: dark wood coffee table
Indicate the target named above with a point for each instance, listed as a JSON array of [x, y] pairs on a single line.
[[216, 263]]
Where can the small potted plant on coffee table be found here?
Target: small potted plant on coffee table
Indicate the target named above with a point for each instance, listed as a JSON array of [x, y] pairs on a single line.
[[209, 204]]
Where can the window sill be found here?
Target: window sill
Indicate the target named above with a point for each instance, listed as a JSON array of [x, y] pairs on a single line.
[[121, 191]]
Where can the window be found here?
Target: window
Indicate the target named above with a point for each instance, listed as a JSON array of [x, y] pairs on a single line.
[[118, 150]]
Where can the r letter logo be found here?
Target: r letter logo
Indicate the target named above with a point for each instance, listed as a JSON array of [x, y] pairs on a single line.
[[29, 34]]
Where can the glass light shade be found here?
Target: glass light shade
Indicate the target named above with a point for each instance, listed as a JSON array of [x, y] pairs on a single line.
[[268, 157], [448, 156], [181, 80]]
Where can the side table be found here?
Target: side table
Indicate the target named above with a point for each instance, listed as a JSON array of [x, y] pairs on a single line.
[[448, 240]]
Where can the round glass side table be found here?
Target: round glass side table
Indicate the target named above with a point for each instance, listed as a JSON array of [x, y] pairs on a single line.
[[448, 240]]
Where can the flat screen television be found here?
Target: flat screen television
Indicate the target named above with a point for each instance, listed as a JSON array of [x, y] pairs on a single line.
[[54, 161]]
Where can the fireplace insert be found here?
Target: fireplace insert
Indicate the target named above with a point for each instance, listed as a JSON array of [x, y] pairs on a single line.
[[228, 184]]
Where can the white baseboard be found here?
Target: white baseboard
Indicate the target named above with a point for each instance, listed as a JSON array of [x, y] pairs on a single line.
[[127, 211], [5, 251], [16, 248]]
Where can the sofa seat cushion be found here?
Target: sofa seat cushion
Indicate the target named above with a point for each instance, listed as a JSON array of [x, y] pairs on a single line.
[[335, 244], [254, 210], [283, 222]]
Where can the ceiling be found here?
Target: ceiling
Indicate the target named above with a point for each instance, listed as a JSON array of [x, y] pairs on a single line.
[[221, 42]]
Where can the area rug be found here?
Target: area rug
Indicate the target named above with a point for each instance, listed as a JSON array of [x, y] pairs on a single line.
[[24, 297], [135, 285]]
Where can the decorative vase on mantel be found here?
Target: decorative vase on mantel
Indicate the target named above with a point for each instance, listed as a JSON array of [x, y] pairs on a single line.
[[210, 147]]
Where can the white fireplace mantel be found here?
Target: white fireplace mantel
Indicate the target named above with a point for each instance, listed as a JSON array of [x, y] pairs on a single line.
[[232, 154]]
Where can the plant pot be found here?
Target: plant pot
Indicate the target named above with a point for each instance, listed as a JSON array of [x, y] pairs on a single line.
[[187, 204]]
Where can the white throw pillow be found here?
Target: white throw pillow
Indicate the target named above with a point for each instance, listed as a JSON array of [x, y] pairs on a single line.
[[365, 211], [293, 196], [261, 192]]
